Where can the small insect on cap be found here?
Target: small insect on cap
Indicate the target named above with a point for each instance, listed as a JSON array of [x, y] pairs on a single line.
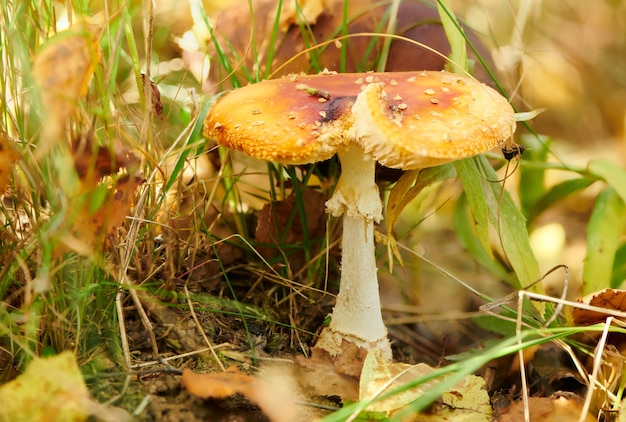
[[430, 118], [402, 119]]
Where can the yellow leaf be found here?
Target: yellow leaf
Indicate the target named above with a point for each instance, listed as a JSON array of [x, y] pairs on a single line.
[[8, 155], [52, 389], [62, 70], [467, 401], [380, 376]]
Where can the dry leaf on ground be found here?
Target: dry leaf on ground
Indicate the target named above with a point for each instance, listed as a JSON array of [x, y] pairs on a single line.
[[192, 202], [104, 195], [92, 163], [89, 228], [279, 223], [52, 389], [544, 409], [225, 384], [380, 375], [62, 70], [610, 299], [234, 27], [467, 401]]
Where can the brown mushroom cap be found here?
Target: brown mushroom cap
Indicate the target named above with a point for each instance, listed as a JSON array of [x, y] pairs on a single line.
[[402, 119]]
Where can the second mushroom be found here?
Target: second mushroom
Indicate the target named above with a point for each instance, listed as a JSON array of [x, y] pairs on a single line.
[[405, 120]]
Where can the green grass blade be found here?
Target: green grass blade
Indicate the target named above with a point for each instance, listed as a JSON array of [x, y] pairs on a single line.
[[471, 180], [555, 194], [532, 179], [456, 38], [464, 227], [604, 230], [511, 226], [612, 173]]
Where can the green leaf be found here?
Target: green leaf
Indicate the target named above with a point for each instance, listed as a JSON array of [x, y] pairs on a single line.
[[464, 229], [556, 194], [471, 180], [97, 197], [532, 178], [456, 38], [410, 184], [612, 173], [498, 325], [619, 268], [606, 226], [511, 226]]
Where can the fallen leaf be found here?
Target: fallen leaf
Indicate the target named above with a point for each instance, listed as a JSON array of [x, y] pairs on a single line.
[[8, 156], [190, 201], [225, 384], [103, 194], [610, 299], [349, 362], [467, 401], [114, 212], [92, 162], [279, 223], [89, 228], [544, 409], [52, 389], [380, 375], [62, 70]]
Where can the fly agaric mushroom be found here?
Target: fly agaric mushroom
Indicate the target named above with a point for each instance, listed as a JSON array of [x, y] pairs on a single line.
[[406, 120]]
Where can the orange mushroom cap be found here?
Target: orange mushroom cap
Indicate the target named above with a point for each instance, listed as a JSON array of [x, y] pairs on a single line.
[[402, 119]]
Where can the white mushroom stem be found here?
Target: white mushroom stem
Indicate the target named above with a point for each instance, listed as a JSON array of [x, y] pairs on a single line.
[[357, 315]]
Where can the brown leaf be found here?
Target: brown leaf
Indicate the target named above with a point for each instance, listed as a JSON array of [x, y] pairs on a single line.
[[225, 384], [155, 97], [93, 162], [8, 156], [90, 228], [349, 362], [186, 205], [279, 223], [611, 299], [114, 212], [543, 409], [104, 196], [62, 70]]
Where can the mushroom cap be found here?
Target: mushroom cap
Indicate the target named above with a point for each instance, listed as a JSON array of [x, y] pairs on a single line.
[[402, 119], [295, 119], [430, 118]]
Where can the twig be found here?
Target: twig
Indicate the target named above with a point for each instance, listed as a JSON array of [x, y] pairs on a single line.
[[201, 330], [597, 362]]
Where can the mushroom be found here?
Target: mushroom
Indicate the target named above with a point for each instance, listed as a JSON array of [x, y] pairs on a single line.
[[406, 120]]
